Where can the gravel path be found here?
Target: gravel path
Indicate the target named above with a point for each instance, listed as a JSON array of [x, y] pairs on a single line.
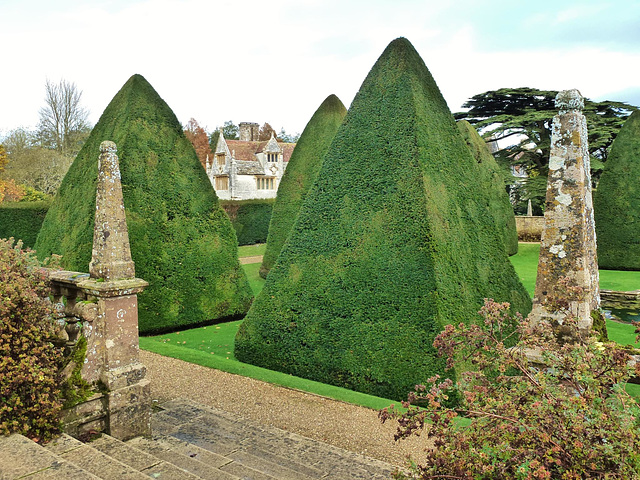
[[344, 425]]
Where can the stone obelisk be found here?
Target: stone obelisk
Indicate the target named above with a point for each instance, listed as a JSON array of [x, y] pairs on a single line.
[[567, 280], [111, 256]]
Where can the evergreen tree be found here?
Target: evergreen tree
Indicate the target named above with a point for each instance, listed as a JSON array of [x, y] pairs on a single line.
[[300, 174], [392, 243], [182, 242], [616, 202], [495, 179]]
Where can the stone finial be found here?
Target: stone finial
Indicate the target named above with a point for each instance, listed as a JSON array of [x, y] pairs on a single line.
[[569, 101], [111, 256]]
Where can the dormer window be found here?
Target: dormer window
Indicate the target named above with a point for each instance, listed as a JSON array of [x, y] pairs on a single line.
[[272, 157], [221, 159]]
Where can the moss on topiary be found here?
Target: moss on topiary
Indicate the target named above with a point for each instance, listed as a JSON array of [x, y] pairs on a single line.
[[393, 242], [300, 174], [616, 202], [182, 242], [497, 198]]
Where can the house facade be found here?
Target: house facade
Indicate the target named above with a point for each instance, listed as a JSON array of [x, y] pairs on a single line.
[[247, 168]]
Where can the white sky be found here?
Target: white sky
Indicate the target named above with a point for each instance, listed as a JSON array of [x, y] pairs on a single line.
[[276, 60]]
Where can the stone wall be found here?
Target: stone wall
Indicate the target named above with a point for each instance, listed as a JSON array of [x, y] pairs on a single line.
[[529, 228]]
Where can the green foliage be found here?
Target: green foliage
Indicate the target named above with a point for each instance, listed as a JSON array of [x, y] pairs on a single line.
[[525, 115], [22, 220], [392, 242], [495, 180], [29, 393], [301, 172], [616, 202], [571, 419], [230, 131], [250, 219], [182, 242]]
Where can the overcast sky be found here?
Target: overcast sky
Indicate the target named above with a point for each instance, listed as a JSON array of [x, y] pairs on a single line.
[[276, 60]]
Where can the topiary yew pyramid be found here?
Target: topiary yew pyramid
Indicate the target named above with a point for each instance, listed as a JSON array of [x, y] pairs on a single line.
[[393, 242], [497, 198], [300, 174], [616, 202], [181, 240]]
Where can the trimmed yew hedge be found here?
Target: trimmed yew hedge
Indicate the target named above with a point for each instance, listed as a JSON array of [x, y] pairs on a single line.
[[181, 240], [22, 220], [497, 199], [300, 174], [250, 219], [393, 242], [616, 202]]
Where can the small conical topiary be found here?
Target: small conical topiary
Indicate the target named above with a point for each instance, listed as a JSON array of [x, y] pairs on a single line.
[[497, 198], [393, 242], [300, 174], [181, 240], [616, 202]]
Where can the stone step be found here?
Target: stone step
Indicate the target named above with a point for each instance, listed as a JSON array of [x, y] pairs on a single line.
[[190, 442], [84, 456], [23, 458], [222, 432]]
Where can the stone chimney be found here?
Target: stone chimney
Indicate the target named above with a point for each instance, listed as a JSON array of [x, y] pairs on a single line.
[[248, 132]]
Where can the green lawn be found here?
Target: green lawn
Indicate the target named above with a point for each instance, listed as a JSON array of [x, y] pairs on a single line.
[[252, 250], [212, 346], [526, 264]]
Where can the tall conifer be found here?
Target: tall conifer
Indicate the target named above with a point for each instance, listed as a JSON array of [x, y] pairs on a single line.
[[392, 243], [300, 174], [497, 198], [616, 202], [182, 242]]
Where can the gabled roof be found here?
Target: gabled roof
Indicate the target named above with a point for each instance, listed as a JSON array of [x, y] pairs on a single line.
[[247, 151]]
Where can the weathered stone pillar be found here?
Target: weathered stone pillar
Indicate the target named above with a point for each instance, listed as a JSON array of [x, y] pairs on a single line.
[[568, 246], [112, 282]]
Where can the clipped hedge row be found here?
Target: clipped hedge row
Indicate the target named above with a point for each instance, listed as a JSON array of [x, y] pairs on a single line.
[[616, 202], [181, 240], [22, 220], [250, 219], [497, 199], [300, 174], [392, 243]]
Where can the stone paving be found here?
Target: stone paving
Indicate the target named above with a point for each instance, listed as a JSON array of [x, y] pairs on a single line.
[[190, 441]]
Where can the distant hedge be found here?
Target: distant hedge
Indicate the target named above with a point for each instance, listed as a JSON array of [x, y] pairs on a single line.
[[250, 219], [616, 202], [393, 242], [181, 240], [300, 174], [497, 198], [22, 220]]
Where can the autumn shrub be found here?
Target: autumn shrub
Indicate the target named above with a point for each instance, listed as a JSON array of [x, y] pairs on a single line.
[[29, 393], [569, 418]]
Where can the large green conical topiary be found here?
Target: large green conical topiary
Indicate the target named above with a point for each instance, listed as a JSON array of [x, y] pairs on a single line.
[[497, 198], [392, 242], [300, 174], [182, 242], [616, 202]]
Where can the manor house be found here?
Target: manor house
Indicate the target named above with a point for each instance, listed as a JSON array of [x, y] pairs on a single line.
[[248, 168]]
